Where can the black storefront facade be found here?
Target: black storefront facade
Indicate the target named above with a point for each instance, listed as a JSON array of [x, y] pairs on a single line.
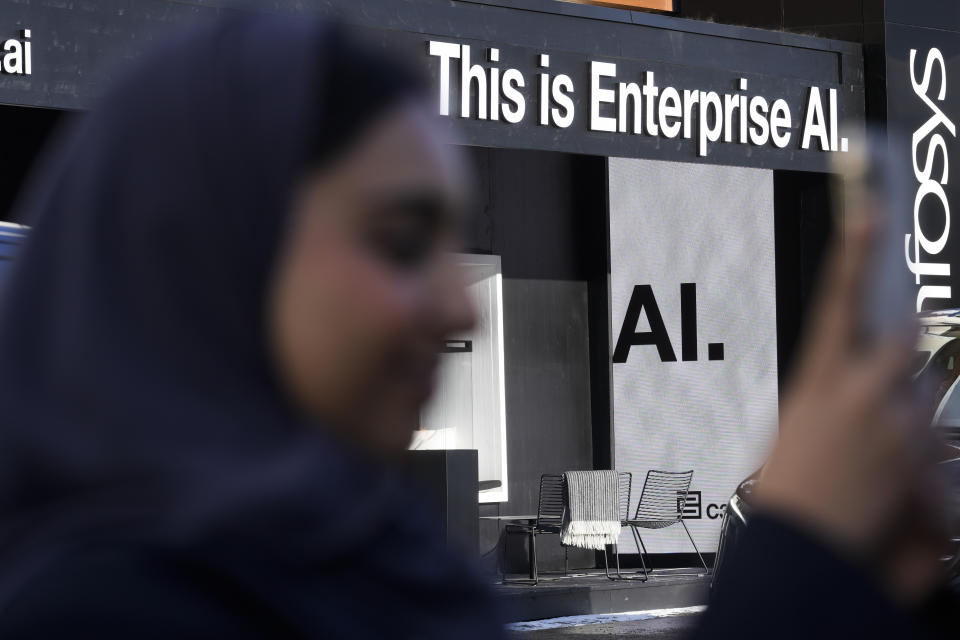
[[652, 207]]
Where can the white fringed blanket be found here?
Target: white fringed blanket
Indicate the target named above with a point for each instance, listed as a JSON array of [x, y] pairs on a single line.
[[592, 518]]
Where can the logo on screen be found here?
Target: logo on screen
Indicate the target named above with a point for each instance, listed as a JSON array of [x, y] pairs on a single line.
[[691, 505], [644, 302]]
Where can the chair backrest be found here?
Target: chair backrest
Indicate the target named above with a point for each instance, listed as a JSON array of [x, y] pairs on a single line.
[[664, 495], [553, 500], [626, 486]]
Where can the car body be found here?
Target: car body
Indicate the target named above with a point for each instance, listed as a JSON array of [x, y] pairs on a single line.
[[11, 237]]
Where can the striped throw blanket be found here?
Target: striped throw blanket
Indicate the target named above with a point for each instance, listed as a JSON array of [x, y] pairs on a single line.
[[592, 518]]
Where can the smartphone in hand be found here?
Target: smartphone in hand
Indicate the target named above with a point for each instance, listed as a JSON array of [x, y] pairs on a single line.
[[872, 180]]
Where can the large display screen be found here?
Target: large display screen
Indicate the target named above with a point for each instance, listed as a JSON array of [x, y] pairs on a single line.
[[694, 332]]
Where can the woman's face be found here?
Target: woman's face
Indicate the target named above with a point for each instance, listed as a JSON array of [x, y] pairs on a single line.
[[366, 289]]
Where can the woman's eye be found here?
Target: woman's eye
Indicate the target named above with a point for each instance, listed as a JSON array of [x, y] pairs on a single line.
[[404, 229], [403, 248]]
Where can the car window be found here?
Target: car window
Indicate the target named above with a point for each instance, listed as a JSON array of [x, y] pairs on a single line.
[[919, 361], [943, 370]]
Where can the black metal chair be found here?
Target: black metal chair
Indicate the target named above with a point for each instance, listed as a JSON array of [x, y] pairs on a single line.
[[551, 508], [661, 505]]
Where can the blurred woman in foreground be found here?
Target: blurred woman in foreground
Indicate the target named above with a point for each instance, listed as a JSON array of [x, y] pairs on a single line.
[[228, 312]]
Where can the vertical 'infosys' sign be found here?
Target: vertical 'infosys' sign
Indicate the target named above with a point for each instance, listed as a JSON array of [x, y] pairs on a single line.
[[925, 247], [923, 105]]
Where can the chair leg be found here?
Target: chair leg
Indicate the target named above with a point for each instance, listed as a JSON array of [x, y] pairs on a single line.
[[616, 550], [642, 563], [502, 556], [720, 544], [642, 550], [533, 558], [606, 564], [702, 561]]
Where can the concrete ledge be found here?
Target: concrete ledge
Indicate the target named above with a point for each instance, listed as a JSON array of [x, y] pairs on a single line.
[[589, 593]]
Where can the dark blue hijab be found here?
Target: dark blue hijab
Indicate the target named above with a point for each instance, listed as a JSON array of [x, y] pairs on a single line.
[[139, 411]]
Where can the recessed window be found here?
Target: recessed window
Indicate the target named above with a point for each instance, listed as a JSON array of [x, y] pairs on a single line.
[[468, 409]]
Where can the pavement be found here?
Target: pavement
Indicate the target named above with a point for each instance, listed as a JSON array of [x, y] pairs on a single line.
[[662, 625]]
